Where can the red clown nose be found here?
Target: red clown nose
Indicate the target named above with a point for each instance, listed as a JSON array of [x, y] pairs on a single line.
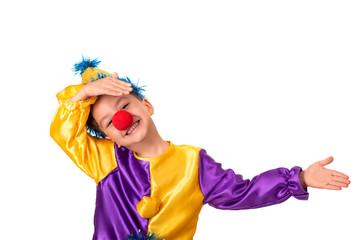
[[122, 120]]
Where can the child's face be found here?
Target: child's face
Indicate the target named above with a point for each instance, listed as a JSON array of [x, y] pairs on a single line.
[[141, 110]]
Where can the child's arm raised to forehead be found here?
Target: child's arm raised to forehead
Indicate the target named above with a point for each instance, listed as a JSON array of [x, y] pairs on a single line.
[[93, 156]]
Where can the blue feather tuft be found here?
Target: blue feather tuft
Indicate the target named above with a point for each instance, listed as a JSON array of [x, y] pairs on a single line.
[[80, 67], [142, 236], [136, 88], [100, 75]]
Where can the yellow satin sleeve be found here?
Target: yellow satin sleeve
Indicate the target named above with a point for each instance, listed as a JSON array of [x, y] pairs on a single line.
[[95, 157]]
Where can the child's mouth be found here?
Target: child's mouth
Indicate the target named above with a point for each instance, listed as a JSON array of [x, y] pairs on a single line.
[[132, 128]]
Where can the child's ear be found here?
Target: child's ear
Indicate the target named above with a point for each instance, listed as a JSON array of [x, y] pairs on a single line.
[[148, 106]]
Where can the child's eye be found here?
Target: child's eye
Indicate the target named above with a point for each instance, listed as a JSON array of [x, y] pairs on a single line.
[[109, 123], [124, 106]]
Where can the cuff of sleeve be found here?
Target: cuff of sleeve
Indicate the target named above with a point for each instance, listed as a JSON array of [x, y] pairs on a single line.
[[295, 186], [70, 91]]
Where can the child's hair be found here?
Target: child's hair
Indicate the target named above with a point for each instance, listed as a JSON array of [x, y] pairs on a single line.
[[93, 127], [89, 73]]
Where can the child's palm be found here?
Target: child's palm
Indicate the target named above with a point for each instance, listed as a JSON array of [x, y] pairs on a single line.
[[317, 176]]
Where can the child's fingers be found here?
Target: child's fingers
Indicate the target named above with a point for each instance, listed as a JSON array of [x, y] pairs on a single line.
[[332, 187], [340, 180], [116, 85], [115, 75], [326, 161], [339, 174], [113, 92], [123, 87], [119, 83], [119, 87], [113, 89], [338, 184]]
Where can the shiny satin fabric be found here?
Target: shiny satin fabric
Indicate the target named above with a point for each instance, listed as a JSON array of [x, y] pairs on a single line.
[[175, 183], [116, 214], [178, 182], [223, 189], [171, 181], [181, 180], [95, 157]]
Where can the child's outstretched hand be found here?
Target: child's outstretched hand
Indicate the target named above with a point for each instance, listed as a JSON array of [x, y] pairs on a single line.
[[105, 86], [317, 176]]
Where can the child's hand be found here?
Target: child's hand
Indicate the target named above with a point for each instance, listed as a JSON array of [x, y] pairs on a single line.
[[317, 176], [105, 86]]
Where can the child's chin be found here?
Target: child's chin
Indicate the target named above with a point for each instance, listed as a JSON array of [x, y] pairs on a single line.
[[135, 137]]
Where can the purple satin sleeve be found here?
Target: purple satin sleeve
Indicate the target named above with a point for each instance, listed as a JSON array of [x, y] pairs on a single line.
[[224, 189]]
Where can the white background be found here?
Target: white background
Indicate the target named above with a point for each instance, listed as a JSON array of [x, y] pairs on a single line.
[[258, 84]]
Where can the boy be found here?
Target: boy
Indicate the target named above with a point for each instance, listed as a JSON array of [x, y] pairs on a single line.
[[150, 185]]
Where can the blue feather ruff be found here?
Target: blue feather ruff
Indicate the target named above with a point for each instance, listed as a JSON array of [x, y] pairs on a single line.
[[80, 67], [94, 133]]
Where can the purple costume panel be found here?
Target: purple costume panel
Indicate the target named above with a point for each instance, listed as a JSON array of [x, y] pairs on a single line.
[[223, 189], [117, 196], [118, 193]]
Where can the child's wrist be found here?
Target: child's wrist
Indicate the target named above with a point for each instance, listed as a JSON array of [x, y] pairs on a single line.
[[81, 95], [302, 178]]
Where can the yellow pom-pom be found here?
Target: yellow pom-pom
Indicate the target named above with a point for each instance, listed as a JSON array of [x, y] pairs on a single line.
[[148, 207]]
